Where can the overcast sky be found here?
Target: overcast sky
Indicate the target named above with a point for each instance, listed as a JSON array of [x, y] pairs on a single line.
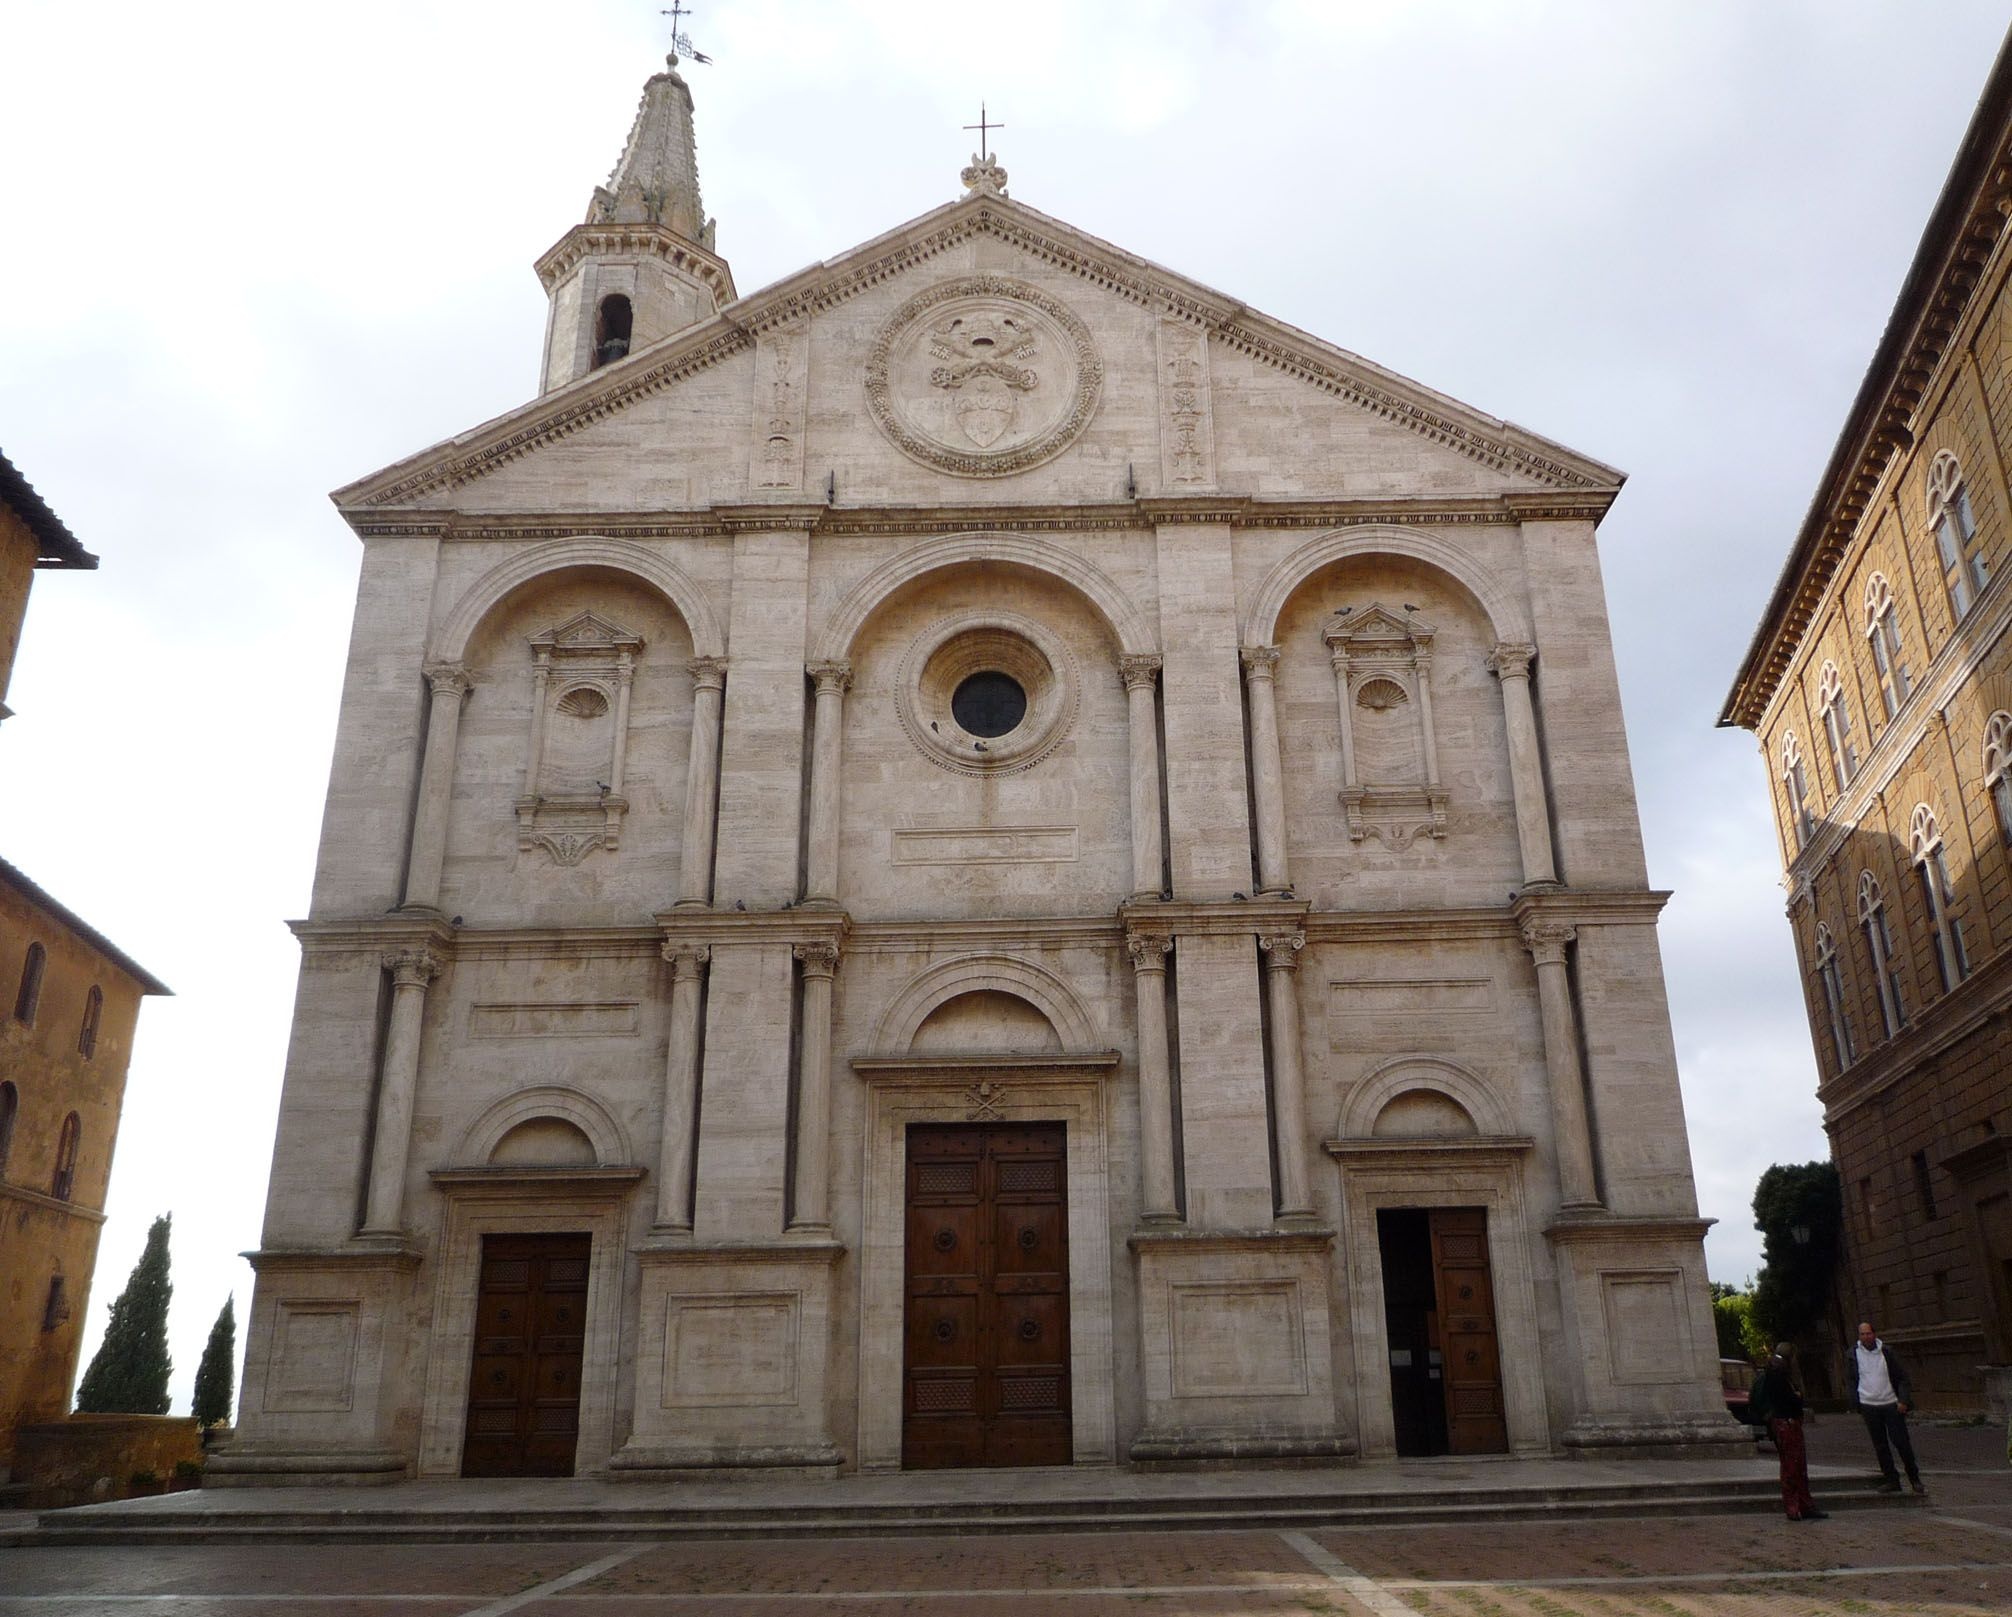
[[255, 251]]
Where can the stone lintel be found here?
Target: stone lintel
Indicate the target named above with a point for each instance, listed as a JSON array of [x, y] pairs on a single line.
[[560, 1180], [1489, 1149], [1224, 918], [957, 1066]]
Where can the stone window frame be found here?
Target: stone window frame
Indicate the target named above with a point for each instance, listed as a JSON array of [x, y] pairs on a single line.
[[10, 1112], [1929, 855], [28, 997], [1873, 922], [63, 1181], [1965, 575], [1882, 631], [1998, 770], [1830, 982], [87, 1029], [1795, 781], [1837, 723]]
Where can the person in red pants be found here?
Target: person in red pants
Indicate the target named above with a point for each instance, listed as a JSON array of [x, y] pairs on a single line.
[[1778, 1394]]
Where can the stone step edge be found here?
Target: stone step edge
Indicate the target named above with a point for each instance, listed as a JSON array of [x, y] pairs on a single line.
[[602, 1530]]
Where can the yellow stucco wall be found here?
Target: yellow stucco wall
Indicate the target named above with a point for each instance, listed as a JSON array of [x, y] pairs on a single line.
[[42, 1237]]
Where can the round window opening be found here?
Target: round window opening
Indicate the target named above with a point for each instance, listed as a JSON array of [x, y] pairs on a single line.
[[989, 704]]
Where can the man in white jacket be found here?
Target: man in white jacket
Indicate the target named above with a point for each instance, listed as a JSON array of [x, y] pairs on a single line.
[[1882, 1394]]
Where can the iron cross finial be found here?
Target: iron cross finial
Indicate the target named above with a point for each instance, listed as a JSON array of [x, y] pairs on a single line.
[[681, 43], [984, 129]]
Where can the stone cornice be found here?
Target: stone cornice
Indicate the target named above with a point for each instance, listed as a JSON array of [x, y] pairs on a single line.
[[1480, 1149], [1230, 918], [674, 1249], [959, 1066], [1932, 316], [1492, 442], [50, 1204], [1582, 906], [373, 934], [1622, 1228], [394, 1255], [1980, 999], [1280, 1238], [804, 924], [644, 240]]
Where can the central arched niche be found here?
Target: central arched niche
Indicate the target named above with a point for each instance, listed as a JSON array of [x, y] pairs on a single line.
[[1422, 1114], [1476, 861], [489, 876], [988, 1020], [933, 823]]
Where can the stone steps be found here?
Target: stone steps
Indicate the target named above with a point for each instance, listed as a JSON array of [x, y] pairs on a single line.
[[795, 1518]]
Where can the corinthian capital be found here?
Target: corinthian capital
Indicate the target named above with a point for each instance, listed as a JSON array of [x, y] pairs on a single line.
[[819, 959], [1140, 668], [412, 968], [1149, 950], [1511, 660], [1260, 662], [831, 676], [1546, 941], [447, 679], [708, 673]]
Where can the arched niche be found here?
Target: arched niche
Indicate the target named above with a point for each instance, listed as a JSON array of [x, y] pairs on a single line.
[[1424, 1089], [1008, 975], [1120, 614], [450, 640], [544, 1142], [544, 1105], [986, 1019], [1506, 616]]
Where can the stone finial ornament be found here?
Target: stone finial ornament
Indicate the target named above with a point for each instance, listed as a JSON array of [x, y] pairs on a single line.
[[984, 177]]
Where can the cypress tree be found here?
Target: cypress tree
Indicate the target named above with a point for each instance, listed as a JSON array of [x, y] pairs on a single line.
[[129, 1375], [218, 1370]]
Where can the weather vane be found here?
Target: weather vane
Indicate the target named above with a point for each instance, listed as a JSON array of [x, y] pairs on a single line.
[[984, 129], [681, 43]]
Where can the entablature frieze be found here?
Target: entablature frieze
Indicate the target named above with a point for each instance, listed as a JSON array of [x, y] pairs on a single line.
[[1313, 513], [1625, 1229], [800, 927], [401, 930]]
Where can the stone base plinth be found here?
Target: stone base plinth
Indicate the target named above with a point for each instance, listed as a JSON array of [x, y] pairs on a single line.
[[731, 1361], [235, 1468], [1233, 1330]]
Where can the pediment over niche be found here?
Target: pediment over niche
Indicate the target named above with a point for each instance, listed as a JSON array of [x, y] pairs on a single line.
[[587, 631], [916, 249], [1375, 629]]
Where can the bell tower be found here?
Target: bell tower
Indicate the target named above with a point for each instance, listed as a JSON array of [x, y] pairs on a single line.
[[642, 266]]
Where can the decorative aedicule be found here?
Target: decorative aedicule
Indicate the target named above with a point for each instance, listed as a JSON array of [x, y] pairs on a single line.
[[1389, 754], [983, 376], [572, 800]]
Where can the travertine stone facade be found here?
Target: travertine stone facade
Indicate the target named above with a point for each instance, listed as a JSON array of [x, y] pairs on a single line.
[[1880, 687], [676, 873]]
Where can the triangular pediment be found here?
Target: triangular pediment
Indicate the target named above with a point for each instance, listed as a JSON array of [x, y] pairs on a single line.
[[587, 631], [1376, 625], [1385, 402]]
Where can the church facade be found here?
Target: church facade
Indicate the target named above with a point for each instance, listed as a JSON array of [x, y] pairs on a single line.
[[981, 857]]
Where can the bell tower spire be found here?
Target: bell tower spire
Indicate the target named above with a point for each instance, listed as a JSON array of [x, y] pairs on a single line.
[[642, 265]]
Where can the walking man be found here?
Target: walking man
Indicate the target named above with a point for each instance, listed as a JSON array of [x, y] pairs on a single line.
[[1882, 1394]]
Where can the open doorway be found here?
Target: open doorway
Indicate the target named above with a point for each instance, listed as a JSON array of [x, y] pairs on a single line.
[[1439, 1318]]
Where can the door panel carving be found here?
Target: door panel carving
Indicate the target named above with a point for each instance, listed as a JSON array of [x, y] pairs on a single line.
[[524, 1382]]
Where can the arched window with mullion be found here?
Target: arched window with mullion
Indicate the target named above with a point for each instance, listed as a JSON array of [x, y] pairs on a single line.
[[1938, 897], [1998, 770], [1837, 724], [1882, 633], [1957, 546], [1795, 780], [1878, 934], [1831, 982]]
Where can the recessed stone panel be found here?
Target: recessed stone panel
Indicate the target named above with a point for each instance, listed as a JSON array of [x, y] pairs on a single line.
[[1238, 1341], [737, 1350]]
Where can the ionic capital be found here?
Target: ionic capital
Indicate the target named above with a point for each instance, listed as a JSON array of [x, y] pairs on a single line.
[[686, 958], [831, 676], [708, 673], [447, 679], [1139, 669], [1149, 950], [1511, 660], [1546, 941], [1282, 948], [1259, 662], [819, 959], [412, 968]]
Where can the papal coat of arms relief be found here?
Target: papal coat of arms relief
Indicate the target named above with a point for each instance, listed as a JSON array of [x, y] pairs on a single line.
[[983, 376]]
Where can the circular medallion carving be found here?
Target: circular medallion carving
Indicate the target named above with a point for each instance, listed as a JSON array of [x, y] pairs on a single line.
[[945, 1330], [983, 376], [1030, 1330], [1029, 1239], [946, 1240]]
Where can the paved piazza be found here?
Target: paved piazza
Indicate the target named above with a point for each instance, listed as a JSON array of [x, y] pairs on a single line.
[[1951, 1560]]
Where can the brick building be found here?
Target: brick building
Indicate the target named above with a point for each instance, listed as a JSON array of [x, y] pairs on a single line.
[[1880, 686], [69, 1000]]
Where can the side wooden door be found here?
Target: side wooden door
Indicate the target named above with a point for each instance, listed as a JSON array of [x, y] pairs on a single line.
[[1466, 1307], [986, 1337], [530, 1334]]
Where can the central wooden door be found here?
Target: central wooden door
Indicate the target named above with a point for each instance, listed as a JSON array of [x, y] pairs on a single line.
[[524, 1382], [1474, 1420], [986, 1334]]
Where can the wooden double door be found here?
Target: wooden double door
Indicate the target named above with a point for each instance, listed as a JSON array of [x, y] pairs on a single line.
[[986, 1332], [524, 1381], [1439, 1317]]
